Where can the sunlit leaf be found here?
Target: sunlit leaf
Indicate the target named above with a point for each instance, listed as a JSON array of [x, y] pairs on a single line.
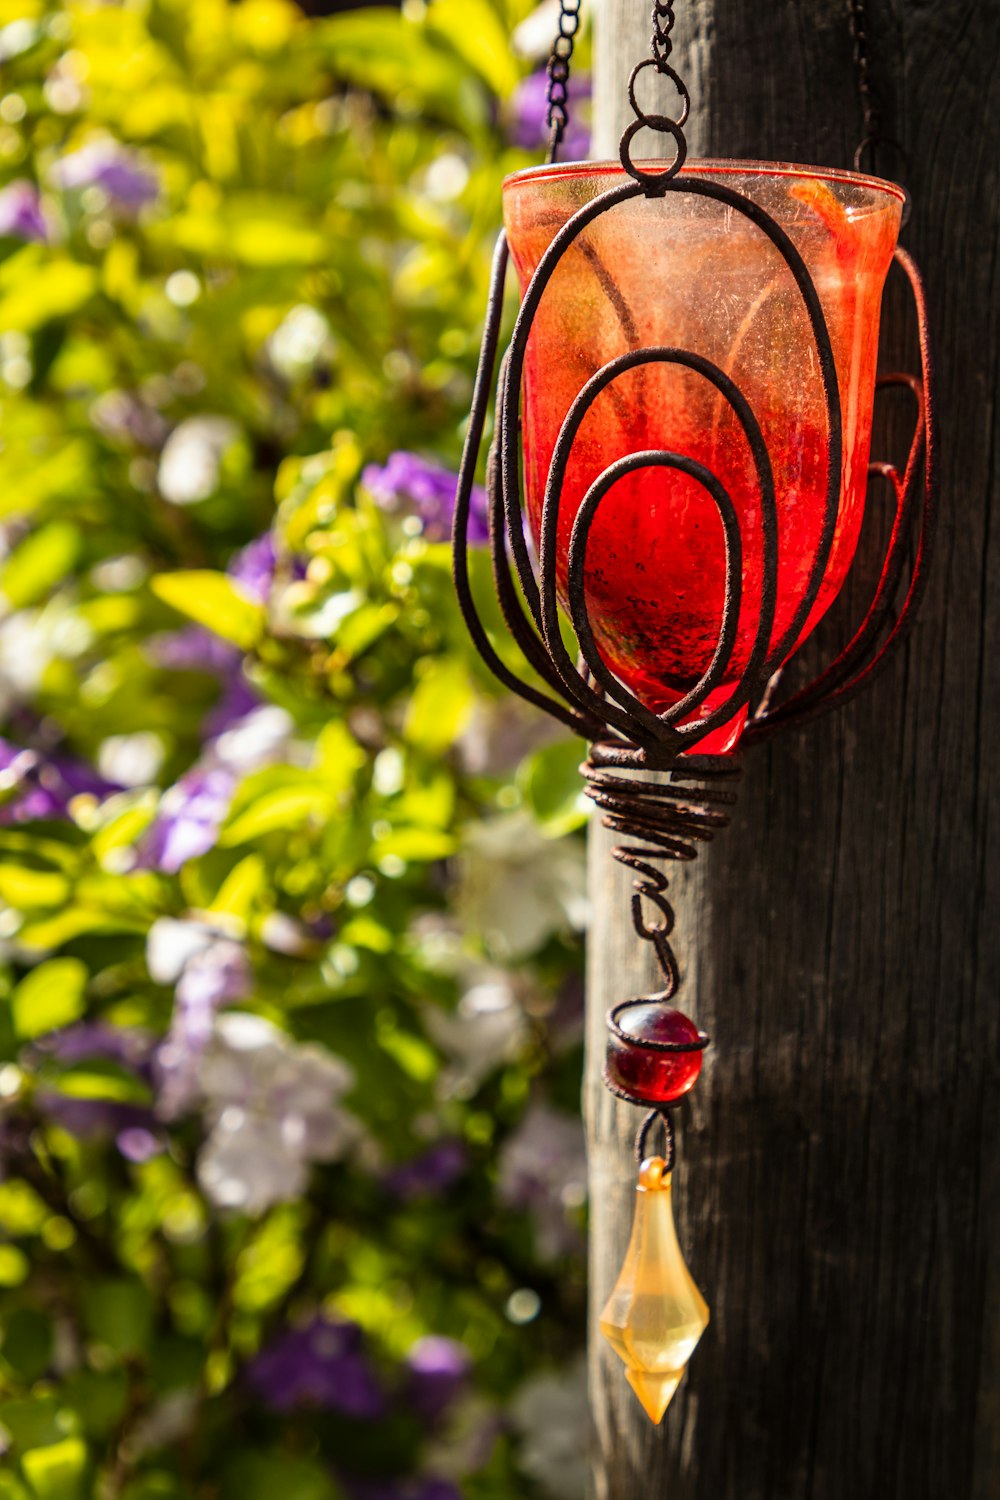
[[441, 705], [41, 561], [215, 601], [51, 995], [57, 1472]]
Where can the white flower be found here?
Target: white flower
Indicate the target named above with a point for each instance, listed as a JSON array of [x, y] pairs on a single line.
[[171, 944], [131, 759], [298, 342], [30, 641], [518, 888], [257, 739], [500, 734], [551, 1416], [191, 461], [543, 1169], [272, 1107], [247, 1167], [487, 1028]]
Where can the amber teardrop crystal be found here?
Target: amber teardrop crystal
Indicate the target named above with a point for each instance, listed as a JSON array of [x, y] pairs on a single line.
[[655, 1315]]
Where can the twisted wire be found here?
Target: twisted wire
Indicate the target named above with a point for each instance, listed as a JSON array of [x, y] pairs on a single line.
[[669, 821]]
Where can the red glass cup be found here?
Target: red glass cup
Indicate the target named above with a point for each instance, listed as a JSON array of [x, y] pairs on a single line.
[[692, 273]]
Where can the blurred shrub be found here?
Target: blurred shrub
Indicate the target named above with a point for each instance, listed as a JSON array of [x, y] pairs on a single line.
[[292, 1177]]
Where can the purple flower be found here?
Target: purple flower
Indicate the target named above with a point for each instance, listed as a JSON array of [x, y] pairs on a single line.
[[411, 484], [189, 819], [44, 788], [433, 1172], [89, 1119], [438, 1369], [216, 975], [322, 1364], [21, 212], [193, 649], [86, 1041], [137, 1144], [419, 1487], [107, 165], [529, 126], [253, 567], [236, 701]]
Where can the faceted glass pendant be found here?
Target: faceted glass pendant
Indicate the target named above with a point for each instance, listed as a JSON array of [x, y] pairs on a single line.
[[655, 1315]]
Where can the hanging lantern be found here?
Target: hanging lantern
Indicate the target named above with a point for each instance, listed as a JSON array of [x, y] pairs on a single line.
[[679, 469]]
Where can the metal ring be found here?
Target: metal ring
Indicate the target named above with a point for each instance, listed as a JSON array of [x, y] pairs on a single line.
[[870, 143], [653, 182], [665, 71]]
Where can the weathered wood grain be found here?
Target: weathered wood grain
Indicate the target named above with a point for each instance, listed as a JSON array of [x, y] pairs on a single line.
[[839, 1188]]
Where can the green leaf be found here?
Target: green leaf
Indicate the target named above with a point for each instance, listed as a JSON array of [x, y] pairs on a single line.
[[286, 807], [57, 1472], [98, 1398], [475, 31], [50, 996], [24, 888], [339, 757], [242, 887], [14, 1266], [29, 480], [415, 1057], [414, 844], [119, 1314], [33, 1420], [441, 705], [27, 1342], [41, 561], [53, 291], [381, 51], [260, 1476], [213, 600], [551, 785]]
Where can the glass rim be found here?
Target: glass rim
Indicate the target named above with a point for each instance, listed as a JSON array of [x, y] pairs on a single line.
[[707, 166]]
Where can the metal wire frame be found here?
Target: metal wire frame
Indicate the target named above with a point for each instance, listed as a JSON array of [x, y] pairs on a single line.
[[585, 695], [672, 817]]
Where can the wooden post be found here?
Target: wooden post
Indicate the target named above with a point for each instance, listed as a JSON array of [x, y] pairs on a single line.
[[839, 1180]]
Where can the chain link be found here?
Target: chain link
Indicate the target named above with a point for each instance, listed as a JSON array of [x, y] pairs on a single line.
[[557, 95], [872, 124], [874, 142], [663, 24]]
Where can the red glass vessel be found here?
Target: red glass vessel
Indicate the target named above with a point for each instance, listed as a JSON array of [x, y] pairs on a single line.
[[690, 272]]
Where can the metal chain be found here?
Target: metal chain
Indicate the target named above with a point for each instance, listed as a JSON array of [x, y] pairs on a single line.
[[873, 135], [663, 24], [872, 127], [557, 95]]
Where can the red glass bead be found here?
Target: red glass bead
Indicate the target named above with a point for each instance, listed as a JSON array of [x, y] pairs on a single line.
[[644, 1071]]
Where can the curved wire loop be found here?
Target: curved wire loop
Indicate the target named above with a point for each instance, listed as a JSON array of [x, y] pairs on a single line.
[[915, 493]]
